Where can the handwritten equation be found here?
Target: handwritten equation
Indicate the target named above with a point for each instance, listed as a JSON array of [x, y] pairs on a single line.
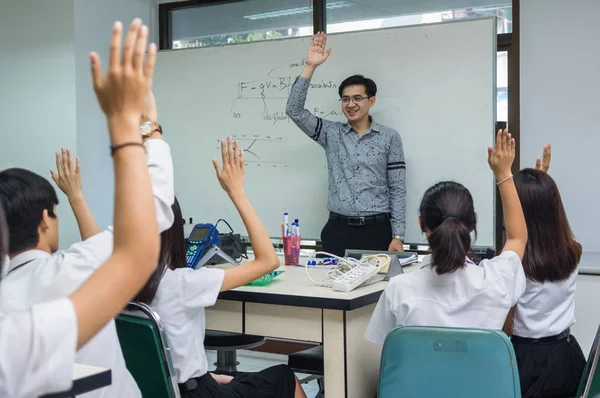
[[256, 152]]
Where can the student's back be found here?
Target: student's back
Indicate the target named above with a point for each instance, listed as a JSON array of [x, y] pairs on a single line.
[[450, 290], [550, 359]]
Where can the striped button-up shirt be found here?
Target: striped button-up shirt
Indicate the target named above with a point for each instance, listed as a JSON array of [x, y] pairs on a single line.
[[366, 174]]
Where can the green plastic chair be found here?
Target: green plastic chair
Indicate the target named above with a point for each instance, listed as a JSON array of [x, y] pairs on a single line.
[[589, 386], [424, 362], [146, 351]]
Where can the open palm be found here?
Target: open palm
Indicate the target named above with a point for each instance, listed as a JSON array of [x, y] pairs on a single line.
[[316, 52]]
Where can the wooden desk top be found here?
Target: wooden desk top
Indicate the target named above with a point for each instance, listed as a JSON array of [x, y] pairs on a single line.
[[293, 288]]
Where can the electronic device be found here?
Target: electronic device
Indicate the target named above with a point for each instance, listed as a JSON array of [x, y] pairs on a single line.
[[357, 275], [230, 244], [350, 272], [403, 258], [202, 237], [214, 253]]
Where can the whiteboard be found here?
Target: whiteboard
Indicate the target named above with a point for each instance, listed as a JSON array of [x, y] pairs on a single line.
[[436, 87]]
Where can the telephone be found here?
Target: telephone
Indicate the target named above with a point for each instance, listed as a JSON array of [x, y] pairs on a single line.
[[202, 238]]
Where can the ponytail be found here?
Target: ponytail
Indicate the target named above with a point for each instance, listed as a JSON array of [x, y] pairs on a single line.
[[448, 216], [449, 243]]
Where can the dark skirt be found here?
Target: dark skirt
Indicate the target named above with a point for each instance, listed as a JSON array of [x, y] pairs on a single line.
[[274, 382], [549, 369]]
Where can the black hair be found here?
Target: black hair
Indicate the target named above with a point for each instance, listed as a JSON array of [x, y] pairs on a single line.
[[448, 214], [3, 239], [359, 80], [551, 253], [172, 255], [25, 195]]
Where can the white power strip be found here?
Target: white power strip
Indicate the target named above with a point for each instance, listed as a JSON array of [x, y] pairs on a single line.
[[351, 273]]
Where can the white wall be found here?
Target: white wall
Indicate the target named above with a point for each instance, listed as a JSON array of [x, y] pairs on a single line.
[[93, 21], [46, 93], [37, 95], [560, 103]]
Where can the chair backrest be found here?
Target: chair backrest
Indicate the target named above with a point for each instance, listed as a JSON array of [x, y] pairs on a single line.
[[146, 351], [448, 362], [590, 380]]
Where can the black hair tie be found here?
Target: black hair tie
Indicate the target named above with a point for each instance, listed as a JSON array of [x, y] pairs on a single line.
[[450, 215]]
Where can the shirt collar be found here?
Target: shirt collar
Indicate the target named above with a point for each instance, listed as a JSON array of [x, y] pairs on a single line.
[[376, 127], [26, 256]]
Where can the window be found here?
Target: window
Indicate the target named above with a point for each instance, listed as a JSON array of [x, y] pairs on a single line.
[[376, 14], [502, 86], [234, 22]]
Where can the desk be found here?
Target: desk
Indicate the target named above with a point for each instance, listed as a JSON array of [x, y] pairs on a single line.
[[292, 307], [85, 379]]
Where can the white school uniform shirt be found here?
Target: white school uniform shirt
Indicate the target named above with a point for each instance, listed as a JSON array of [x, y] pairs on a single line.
[[37, 350], [45, 277], [545, 309], [180, 300], [475, 296]]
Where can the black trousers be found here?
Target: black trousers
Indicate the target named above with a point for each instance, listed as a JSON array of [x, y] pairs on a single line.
[[337, 236], [274, 382], [549, 369]]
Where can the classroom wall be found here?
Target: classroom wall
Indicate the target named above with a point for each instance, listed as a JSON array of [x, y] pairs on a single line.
[[37, 94], [560, 100], [93, 21]]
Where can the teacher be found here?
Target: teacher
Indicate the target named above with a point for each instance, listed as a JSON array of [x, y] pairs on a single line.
[[367, 193]]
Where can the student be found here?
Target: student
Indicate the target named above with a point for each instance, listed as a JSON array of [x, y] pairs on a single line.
[[179, 294], [37, 347], [367, 192], [550, 360], [450, 290]]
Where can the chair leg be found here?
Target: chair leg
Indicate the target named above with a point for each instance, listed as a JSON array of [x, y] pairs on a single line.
[[226, 362], [321, 393]]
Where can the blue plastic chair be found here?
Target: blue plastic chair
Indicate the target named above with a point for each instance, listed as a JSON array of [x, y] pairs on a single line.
[[427, 362]]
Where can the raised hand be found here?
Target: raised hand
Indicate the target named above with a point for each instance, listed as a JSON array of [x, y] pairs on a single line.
[[124, 90], [67, 176], [316, 52], [544, 163], [502, 156], [231, 175]]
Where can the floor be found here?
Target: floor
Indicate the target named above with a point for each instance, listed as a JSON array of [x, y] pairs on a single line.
[[251, 361]]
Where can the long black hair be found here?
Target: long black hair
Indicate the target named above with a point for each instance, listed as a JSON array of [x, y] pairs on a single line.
[[172, 255], [551, 253], [447, 213], [3, 238]]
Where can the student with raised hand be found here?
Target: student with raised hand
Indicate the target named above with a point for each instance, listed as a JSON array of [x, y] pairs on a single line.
[[550, 359], [180, 294], [450, 290], [37, 344]]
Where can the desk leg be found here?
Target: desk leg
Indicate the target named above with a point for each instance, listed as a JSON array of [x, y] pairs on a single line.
[[351, 363]]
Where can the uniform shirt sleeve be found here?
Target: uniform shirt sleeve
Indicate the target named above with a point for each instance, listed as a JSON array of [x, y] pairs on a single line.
[[383, 320], [313, 126], [510, 273], [37, 350], [396, 174], [200, 288]]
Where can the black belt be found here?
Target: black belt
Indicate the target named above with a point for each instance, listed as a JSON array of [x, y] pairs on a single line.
[[360, 221], [562, 336]]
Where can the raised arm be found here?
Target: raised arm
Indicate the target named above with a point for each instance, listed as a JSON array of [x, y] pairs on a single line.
[[231, 178], [68, 178], [121, 95], [396, 173], [313, 126], [500, 160]]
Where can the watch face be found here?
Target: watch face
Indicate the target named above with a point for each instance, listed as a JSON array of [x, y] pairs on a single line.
[[146, 128]]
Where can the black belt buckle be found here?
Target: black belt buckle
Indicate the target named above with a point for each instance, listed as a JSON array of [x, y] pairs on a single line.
[[357, 221]]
